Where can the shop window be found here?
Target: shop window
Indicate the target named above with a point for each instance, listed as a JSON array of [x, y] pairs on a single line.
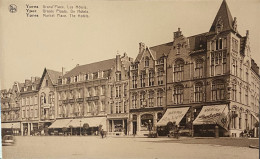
[[118, 125], [146, 122]]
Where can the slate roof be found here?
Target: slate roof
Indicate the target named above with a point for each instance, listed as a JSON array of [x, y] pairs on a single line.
[[54, 75], [226, 17], [160, 50], [91, 68], [198, 42]]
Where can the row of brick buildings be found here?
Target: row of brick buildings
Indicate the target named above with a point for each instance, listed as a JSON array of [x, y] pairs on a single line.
[[182, 80]]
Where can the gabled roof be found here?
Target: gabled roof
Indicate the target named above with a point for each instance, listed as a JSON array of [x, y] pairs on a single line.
[[226, 17], [54, 75], [91, 68]]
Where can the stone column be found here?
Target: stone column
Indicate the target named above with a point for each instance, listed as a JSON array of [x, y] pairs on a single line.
[[243, 121], [237, 121], [113, 125]]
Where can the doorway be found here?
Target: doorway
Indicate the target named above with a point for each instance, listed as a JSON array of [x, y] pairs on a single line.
[[134, 127]]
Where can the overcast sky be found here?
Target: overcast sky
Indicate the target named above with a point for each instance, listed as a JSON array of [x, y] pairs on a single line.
[[28, 45]]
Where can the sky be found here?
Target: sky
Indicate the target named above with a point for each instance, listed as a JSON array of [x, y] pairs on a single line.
[[28, 45]]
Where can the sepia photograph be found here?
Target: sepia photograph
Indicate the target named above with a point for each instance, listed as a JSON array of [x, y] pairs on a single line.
[[113, 79]]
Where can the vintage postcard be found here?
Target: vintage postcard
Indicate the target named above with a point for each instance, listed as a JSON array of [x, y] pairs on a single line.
[[129, 79]]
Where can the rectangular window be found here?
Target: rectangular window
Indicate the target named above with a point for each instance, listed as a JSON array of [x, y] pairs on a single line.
[[134, 81], [103, 89]]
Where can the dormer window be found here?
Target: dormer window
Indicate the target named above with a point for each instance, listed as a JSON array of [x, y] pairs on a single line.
[[86, 76], [76, 79], [46, 83]]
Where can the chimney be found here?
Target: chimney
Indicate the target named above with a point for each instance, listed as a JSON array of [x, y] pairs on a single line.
[[63, 71], [33, 79], [247, 33], [141, 47], [177, 34], [27, 82], [117, 62]]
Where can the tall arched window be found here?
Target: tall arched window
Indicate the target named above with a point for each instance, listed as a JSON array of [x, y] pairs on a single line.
[[198, 92], [43, 98], [178, 94], [178, 70], [199, 68], [146, 62], [217, 90]]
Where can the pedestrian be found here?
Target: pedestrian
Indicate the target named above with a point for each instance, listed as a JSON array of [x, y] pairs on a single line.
[[102, 133]]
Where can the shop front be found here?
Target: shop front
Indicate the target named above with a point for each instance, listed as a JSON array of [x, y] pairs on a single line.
[[77, 126], [212, 120], [141, 123], [117, 124], [13, 128], [176, 116]]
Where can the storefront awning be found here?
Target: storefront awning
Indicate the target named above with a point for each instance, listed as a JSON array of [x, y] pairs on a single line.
[[60, 123], [10, 125], [256, 118], [173, 115], [214, 114], [92, 122]]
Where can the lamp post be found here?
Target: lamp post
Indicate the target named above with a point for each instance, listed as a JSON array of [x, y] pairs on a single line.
[[80, 127]]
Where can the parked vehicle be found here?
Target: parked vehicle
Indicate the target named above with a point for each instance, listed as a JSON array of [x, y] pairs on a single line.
[[8, 140]]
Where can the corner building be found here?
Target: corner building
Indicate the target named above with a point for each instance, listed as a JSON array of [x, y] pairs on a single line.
[[214, 71]]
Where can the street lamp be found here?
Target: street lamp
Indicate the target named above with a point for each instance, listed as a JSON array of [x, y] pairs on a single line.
[[80, 127]]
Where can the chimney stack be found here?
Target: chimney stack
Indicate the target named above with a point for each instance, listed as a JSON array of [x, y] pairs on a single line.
[[177, 34], [63, 71]]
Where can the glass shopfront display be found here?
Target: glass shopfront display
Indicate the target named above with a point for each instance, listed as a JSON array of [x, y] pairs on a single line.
[[146, 120], [118, 126]]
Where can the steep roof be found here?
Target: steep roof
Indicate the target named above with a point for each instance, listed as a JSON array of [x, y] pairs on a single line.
[[54, 75], [160, 50], [198, 42], [91, 68], [226, 18]]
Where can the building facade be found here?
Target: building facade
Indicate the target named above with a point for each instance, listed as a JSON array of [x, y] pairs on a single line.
[[10, 110], [147, 87], [198, 82]]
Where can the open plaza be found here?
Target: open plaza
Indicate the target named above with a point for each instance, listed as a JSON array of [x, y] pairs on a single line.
[[94, 147]]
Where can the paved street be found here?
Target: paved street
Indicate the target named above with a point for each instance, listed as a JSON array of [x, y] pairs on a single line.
[[93, 147]]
